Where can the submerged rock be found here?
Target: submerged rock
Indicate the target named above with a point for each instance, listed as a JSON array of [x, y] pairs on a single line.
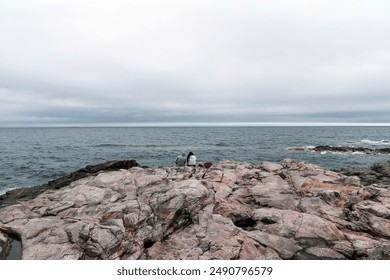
[[229, 210], [348, 149]]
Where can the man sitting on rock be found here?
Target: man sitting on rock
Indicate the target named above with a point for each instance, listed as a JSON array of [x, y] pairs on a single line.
[[181, 160]]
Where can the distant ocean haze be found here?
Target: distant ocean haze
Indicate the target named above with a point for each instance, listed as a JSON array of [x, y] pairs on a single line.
[[34, 156]]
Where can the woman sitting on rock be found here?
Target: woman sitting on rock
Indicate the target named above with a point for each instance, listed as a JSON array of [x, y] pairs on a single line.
[[191, 159]]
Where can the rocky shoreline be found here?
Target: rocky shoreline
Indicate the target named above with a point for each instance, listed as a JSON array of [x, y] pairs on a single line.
[[368, 151], [229, 210], [343, 149], [377, 175]]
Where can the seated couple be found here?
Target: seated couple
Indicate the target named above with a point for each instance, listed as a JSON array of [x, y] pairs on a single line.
[[183, 160]]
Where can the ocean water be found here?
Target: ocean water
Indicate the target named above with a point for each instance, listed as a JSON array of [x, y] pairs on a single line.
[[34, 156]]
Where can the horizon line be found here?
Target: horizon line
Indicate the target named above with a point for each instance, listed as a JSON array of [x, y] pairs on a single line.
[[206, 124]]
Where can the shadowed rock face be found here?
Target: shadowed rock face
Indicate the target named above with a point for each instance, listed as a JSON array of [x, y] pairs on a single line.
[[292, 210]]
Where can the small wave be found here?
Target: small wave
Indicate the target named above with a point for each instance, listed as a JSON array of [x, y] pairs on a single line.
[[305, 148], [161, 146], [376, 142], [358, 153], [3, 191], [136, 145], [107, 145], [334, 153], [113, 145], [221, 145]]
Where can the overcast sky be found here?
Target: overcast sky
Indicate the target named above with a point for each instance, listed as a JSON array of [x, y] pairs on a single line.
[[92, 62]]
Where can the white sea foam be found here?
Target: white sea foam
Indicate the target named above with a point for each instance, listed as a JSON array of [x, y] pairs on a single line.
[[333, 153], [3, 191], [310, 147], [358, 153], [376, 142]]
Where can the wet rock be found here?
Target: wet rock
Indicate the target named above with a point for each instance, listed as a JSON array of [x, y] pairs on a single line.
[[378, 174], [347, 149]]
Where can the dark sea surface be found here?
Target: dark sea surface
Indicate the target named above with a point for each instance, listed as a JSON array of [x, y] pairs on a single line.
[[34, 156]]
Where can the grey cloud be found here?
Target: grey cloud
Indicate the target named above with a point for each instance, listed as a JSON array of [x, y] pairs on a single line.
[[147, 61]]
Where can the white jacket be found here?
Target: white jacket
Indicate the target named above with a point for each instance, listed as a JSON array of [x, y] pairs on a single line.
[[192, 160]]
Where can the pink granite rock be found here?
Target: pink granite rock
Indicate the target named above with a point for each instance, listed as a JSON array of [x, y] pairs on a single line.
[[233, 210]]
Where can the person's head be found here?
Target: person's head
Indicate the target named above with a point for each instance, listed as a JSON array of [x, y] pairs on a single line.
[[190, 154], [183, 154]]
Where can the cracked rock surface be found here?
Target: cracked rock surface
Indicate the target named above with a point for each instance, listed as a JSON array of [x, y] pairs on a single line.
[[233, 210]]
